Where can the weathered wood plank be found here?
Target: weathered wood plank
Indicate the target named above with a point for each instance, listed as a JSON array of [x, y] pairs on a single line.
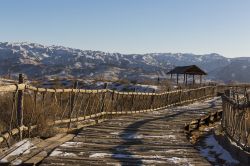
[[46, 150], [145, 139]]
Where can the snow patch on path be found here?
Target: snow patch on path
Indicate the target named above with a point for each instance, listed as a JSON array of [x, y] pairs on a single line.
[[23, 149], [57, 152], [214, 150], [153, 159]]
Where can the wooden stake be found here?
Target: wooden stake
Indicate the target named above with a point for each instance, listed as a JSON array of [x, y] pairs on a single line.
[[177, 79], [72, 102], [20, 105], [193, 80]]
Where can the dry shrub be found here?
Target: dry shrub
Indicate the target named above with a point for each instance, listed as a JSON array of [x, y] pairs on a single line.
[[123, 81], [5, 111], [165, 86], [41, 114]]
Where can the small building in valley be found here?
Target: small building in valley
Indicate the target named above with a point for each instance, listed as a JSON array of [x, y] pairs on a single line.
[[186, 71]]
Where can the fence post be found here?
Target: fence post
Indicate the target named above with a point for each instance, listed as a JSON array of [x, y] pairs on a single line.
[[227, 93], [103, 98], [180, 102], [20, 106], [132, 101], [72, 102], [152, 100]]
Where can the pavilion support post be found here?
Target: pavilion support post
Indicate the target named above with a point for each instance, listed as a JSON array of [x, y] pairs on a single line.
[[200, 79], [184, 79], [193, 80], [177, 78], [171, 76]]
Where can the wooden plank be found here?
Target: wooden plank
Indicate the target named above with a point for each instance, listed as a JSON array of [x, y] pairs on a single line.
[[12, 148], [19, 149], [39, 146], [46, 150], [132, 140]]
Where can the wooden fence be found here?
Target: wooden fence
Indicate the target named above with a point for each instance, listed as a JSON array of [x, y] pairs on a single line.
[[24, 107], [236, 117]]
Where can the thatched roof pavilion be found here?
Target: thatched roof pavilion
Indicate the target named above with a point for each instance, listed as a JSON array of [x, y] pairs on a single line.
[[187, 70]]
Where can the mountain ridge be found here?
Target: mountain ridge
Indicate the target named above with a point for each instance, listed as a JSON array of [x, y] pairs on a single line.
[[37, 60]]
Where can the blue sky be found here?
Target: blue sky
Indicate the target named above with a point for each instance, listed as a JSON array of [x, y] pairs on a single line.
[[131, 26]]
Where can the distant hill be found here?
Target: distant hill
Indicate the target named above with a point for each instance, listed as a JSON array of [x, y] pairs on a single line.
[[36, 61]]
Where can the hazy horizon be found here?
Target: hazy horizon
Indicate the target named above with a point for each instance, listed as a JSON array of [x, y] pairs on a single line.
[[131, 27]]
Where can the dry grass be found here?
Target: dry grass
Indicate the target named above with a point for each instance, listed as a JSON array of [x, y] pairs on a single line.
[[5, 111], [31, 115], [37, 113]]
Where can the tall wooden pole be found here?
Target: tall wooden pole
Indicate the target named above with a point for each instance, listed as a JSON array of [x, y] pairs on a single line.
[[193, 79], [72, 102], [177, 79], [20, 105], [186, 79], [103, 98]]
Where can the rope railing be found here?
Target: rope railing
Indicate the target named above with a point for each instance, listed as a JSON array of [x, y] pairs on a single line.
[[66, 108], [236, 118]]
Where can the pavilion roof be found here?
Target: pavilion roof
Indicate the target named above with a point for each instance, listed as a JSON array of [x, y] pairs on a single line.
[[193, 69]]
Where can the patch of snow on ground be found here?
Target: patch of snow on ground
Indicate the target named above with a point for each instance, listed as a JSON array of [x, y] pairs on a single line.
[[62, 154], [102, 155], [214, 150], [22, 149], [16, 162], [160, 136], [115, 133], [153, 159], [153, 162], [178, 160], [156, 112], [141, 136], [72, 144]]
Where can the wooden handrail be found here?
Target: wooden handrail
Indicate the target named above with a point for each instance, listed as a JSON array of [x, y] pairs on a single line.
[[235, 121], [11, 88], [86, 104]]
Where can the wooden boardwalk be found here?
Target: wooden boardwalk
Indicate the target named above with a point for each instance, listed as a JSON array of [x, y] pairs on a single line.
[[154, 138]]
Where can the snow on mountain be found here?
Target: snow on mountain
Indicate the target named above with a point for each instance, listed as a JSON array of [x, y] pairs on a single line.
[[36, 61]]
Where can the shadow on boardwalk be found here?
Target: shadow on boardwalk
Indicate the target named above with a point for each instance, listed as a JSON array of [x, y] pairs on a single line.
[[121, 152]]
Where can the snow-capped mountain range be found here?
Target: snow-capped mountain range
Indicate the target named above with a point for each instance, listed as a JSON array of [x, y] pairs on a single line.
[[36, 61]]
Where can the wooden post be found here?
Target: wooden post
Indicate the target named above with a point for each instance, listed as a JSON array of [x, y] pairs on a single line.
[[200, 79], [177, 79], [152, 100], [133, 98], [72, 102], [171, 76], [186, 79], [227, 93], [20, 105], [193, 80], [103, 97], [180, 96]]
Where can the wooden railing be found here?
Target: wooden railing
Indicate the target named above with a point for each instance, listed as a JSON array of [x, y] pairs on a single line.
[[24, 107], [236, 118]]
